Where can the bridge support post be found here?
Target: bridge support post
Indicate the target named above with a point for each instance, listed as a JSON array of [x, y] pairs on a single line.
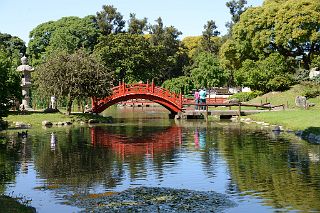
[[152, 86]]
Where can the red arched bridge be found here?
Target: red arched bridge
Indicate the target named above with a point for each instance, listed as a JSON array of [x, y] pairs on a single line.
[[124, 92]]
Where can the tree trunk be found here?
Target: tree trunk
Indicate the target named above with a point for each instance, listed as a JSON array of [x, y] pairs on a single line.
[[69, 105], [306, 62]]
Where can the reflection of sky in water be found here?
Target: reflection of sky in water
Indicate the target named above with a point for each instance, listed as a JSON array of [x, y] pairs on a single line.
[[42, 200], [194, 163]]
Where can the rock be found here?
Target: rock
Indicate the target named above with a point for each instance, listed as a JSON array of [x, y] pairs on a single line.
[[314, 72], [299, 133], [21, 125], [46, 123], [60, 123], [301, 101], [311, 104], [68, 123], [82, 123], [93, 121], [311, 137], [277, 129]]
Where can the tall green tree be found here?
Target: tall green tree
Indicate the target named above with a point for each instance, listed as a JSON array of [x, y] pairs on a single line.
[[137, 26], [172, 56], [9, 83], [73, 76], [236, 8], [67, 33], [210, 31], [129, 56], [182, 84], [12, 44], [269, 74], [289, 27], [192, 45], [109, 20], [206, 71]]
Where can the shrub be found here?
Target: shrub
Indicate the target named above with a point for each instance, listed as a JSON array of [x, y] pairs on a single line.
[[246, 96], [311, 89]]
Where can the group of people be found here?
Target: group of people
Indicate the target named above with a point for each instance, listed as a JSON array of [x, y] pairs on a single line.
[[200, 99]]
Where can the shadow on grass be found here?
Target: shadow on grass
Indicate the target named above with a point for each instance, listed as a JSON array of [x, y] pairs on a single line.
[[314, 130]]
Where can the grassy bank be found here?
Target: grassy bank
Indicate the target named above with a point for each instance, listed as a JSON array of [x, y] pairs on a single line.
[[35, 119], [292, 117], [287, 98]]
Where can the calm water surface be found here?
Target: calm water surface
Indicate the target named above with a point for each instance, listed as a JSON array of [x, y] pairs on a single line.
[[261, 171]]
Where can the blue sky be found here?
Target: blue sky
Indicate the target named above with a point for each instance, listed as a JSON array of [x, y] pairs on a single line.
[[20, 17]]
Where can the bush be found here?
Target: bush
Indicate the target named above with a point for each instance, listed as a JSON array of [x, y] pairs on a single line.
[[311, 89], [246, 96], [279, 83]]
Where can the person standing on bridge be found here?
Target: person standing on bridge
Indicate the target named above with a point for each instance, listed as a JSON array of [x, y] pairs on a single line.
[[197, 98], [203, 95]]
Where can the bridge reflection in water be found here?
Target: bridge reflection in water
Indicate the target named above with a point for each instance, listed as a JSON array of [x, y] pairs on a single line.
[[146, 144]]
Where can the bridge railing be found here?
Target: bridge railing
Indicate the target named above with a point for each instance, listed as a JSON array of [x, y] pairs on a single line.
[[140, 88]]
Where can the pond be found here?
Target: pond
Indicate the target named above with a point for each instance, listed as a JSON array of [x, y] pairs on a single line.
[[259, 170]]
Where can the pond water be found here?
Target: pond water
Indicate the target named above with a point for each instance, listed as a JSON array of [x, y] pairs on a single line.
[[260, 171]]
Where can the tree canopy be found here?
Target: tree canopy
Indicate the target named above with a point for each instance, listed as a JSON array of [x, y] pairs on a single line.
[[75, 76], [68, 33], [207, 71], [109, 20], [129, 56], [290, 27], [269, 74], [9, 83]]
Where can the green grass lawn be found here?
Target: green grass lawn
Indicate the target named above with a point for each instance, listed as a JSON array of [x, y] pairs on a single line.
[[287, 98], [292, 117], [35, 119]]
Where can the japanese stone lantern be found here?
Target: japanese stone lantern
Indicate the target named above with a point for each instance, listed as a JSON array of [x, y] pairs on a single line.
[[25, 83]]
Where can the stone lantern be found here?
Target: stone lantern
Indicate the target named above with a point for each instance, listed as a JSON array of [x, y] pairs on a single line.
[[25, 83]]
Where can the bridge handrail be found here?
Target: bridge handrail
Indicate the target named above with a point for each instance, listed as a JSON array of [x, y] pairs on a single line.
[[124, 89]]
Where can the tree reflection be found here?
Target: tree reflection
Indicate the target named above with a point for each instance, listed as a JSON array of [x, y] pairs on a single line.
[[14, 155], [275, 169], [104, 154]]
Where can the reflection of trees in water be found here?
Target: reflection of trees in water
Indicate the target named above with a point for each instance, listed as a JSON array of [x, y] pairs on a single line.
[[138, 146], [100, 155], [14, 155], [278, 170], [74, 161]]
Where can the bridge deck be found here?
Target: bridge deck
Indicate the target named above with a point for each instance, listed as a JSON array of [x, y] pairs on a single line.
[[220, 112]]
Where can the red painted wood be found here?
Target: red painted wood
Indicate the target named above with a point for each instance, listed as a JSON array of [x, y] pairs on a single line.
[[172, 101]]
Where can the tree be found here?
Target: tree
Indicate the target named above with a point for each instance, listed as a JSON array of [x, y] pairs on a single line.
[[74, 76], [207, 71], [236, 8], [269, 74], [182, 84], [9, 83], [172, 56], [12, 44], [129, 56], [192, 44], [210, 31], [290, 27], [109, 20], [67, 33], [137, 26]]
